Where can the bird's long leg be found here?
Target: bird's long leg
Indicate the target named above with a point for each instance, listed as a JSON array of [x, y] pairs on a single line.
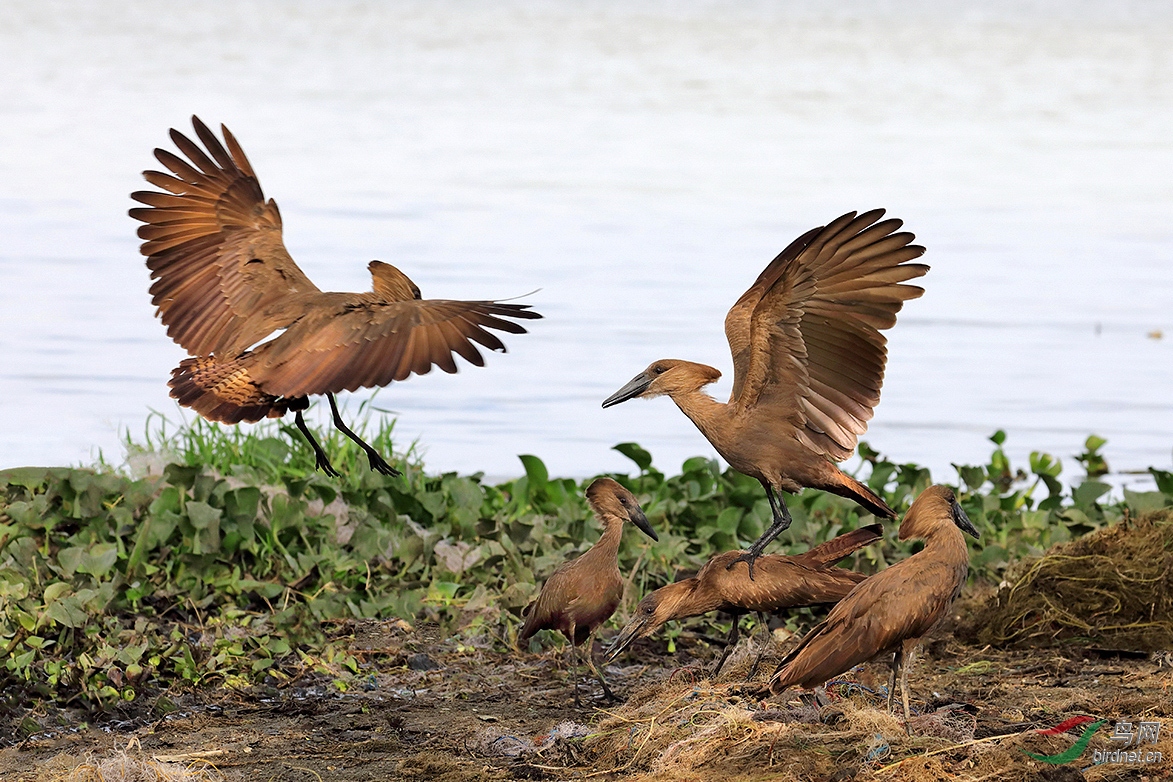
[[781, 523], [904, 683], [897, 658], [377, 462], [765, 645], [590, 655], [730, 642], [574, 663], [322, 462]]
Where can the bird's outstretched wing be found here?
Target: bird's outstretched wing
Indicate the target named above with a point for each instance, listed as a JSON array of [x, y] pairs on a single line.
[[806, 338], [223, 278], [349, 341]]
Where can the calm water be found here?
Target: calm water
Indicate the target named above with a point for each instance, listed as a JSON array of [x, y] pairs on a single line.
[[638, 162]]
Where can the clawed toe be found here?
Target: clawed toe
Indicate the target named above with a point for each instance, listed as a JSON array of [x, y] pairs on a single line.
[[379, 465], [323, 464], [747, 557]]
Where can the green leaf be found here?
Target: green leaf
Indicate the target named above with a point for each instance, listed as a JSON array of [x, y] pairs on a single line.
[[1045, 464], [636, 453], [535, 471], [56, 591], [998, 437], [30, 478], [70, 559], [202, 515], [1144, 501], [68, 611], [1164, 480], [729, 519], [1089, 491], [974, 477], [99, 559]]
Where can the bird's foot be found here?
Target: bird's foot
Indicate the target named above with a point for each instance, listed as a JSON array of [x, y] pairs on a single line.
[[748, 557], [322, 463], [379, 465]]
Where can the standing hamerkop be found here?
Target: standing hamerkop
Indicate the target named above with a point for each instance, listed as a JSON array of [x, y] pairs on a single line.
[[889, 613], [808, 363], [582, 594]]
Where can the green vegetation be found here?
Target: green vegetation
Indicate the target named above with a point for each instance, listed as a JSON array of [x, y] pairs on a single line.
[[235, 563]]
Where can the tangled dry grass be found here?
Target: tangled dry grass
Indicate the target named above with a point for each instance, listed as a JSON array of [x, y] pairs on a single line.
[[692, 731], [124, 766], [1112, 588]]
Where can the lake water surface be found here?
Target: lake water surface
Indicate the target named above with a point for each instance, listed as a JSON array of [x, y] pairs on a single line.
[[638, 162]]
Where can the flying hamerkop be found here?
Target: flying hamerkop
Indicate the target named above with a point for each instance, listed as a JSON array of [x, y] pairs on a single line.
[[262, 337]]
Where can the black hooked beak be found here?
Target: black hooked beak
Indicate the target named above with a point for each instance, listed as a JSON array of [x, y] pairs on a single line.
[[634, 388], [962, 521], [640, 520], [629, 633]]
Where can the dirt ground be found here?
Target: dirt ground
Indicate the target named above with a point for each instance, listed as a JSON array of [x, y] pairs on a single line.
[[442, 711]]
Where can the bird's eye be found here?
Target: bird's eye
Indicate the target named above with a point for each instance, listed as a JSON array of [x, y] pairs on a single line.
[[658, 370], [416, 292]]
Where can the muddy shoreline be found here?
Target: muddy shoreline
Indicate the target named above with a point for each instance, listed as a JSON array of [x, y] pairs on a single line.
[[454, 713]]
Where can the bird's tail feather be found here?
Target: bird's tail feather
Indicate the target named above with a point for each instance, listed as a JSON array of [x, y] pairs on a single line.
[[854, 490], [829, 553], [222, 391]]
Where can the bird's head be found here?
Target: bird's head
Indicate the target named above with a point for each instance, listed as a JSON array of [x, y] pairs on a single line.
[[392, 284], [609, 499], [936, 507], [667, 376], [652, 612]]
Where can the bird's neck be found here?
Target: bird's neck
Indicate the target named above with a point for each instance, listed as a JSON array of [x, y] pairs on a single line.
[[707, 413], [607, 546], [948, 543], [699, 601]]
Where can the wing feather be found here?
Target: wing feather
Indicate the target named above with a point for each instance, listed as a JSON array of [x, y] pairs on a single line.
[[806, 336], [360, 341], [223, 278]]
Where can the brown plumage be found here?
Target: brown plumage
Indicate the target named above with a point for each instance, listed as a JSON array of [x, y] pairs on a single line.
[[582, 594], [782, 582], [224, 284], [808, 362], [890, 612]]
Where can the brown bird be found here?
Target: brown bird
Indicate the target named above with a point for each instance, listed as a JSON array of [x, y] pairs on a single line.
[[582, 594], [782, 582], [808, 363], [890, 612], [263, 337]]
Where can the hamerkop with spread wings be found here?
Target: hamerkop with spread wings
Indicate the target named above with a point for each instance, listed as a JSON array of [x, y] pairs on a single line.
[[582, 594], [782, 582], [808, 363], [890, 612], [263, 337]]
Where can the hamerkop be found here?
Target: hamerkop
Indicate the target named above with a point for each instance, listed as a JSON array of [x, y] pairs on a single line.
[[890, 612], [782, 582], [582, 594], [808, 363], [263, 337]]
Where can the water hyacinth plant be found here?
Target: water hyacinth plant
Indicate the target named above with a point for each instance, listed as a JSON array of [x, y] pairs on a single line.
[[220, 556]]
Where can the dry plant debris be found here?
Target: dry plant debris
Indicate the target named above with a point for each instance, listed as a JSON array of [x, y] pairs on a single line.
[[123, 766], [1112, 588]]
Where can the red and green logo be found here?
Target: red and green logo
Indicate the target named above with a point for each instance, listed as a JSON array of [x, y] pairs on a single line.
[[1076, 749]]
